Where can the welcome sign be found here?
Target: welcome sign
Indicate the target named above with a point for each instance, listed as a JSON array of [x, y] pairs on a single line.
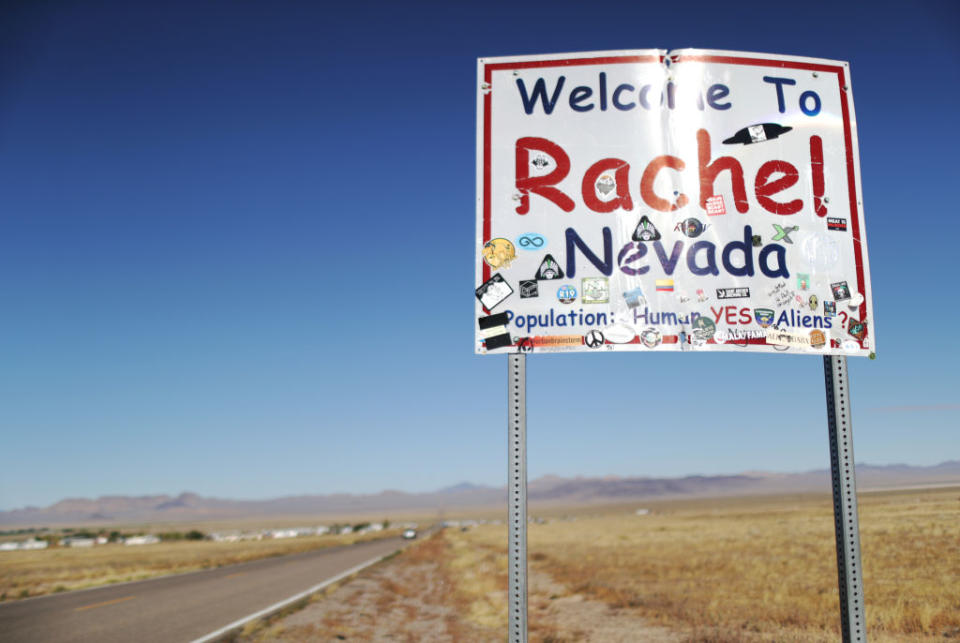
[[684, 200]]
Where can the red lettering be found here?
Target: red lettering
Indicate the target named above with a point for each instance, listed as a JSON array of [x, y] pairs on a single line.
[[650, 174], [729, 314], [709, 172], [816, 169], [542, 185], [716, 314], [745, 317], [621, 179], [766, 188]]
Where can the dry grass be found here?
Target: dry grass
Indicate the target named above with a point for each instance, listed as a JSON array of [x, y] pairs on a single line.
[[748, 569], [34, 573], [410, 597]]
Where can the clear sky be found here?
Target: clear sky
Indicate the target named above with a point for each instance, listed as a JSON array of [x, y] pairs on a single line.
[[237, 252]]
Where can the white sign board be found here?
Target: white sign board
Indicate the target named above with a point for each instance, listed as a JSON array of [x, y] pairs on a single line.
[[688, 200]]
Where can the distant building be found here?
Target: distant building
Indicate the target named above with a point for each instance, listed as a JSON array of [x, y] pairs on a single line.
[[149, 539], [77, 542], [34, 544]]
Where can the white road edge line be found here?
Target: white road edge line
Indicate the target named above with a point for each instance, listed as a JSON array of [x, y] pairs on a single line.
[[276, 606]]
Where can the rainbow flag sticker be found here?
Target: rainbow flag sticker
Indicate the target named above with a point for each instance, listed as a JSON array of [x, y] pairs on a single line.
[[664, 285]]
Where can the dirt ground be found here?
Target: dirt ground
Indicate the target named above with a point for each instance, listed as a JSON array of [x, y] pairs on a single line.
[[412, 597]]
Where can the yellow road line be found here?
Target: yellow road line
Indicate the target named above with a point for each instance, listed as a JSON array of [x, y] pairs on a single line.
[[103, 604]]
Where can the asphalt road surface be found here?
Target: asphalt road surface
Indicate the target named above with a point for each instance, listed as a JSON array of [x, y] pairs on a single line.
[[179, 608]]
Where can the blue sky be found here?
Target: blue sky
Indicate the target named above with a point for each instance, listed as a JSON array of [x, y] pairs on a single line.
[[237, 253]]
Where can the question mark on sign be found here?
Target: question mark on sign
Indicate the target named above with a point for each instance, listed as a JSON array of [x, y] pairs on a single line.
[[845, 318]]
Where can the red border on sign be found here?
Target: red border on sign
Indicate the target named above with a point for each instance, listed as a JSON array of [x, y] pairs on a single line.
[[728, 60]]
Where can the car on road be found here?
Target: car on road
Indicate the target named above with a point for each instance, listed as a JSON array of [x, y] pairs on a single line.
[[409, 534]]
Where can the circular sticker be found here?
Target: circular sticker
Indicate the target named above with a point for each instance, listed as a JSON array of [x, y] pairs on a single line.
[[498, 253], [650, 337], [593, 339], [704, 328], [855, 300], [567, 294], [693, 228], [850, 346]]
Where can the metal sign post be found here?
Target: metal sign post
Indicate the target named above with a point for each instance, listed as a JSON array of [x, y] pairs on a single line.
[[517, 496], [849, 568]]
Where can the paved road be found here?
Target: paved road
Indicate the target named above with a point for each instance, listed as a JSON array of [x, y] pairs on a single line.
[[182, 607]]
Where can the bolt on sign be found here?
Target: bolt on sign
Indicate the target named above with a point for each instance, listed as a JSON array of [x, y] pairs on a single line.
[[689, 200]]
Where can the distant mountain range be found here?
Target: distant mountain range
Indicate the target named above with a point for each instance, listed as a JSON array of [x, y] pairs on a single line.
[[552, 490]]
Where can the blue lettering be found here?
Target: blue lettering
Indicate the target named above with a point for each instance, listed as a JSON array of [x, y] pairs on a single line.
[[574, 241], [746, 247], [622, 258], [779, 82], [715, 93], [616, 97], [781, 254], [539, 93], [711, 267], [668, 264], [577, 96], [816, 103], [603, 91]]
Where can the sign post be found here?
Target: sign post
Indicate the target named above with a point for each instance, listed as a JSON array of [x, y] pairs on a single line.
[[517, 448], [846, 519], [686, 201]]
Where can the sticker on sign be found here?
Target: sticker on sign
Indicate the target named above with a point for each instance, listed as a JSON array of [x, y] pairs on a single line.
[[762, 146]]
